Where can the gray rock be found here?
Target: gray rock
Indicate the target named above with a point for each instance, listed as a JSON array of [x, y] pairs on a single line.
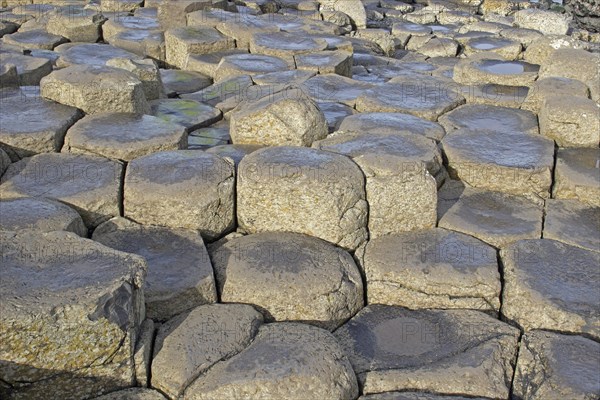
[[496, 95], [146, 71], [482, 71], [42, 215], [352, 8], [432, 268], [335, 88], [292, 77], [547, 22], [392, 123], [479, 116], [133, 394], [89, 184], [33, 39], [243, 28], [142, 356], [181, 189], [248, 64], [285, 361], [439, 47], [460, 352], [234, 151], [507, 48], [218, 94], [89, 54], [334, 114], [76, 23], [326, 62], [302, 190], [541, 50], [180, 275], [572, 121], [30, 70], [577, 175], [414, 396], [496, 218], [553, 366], [79, 304], [573, 222], [189, 113], [545, 88], [289, 277], [4, 161], [180, 82], [551, 285], [182, 42], [285, 45], [190, 344]]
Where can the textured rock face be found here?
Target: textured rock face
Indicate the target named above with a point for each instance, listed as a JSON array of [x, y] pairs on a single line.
[[291, 277], [546, 88], [392, 123], [551, 285], [450, 351], [553, 366], [286, 121], [482, 71], [577, 175], [547, 22], [285, 361], [572, 121], [191, 343], [352, 8], [182, 42], [432, 268], [180, 275], [305, 191], [89, 184], [585, 12], [573, 222], [79, 304], [133, 394], [76, 24]]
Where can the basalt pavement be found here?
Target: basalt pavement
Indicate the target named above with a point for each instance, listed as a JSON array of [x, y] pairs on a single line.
[[298, 199]]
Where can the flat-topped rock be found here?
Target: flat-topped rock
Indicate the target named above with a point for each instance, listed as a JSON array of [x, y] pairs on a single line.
[[283, 77], [439, 47], [572, 121], [496, 218], [172, 14], [207, 63], [507, 48], [285, 361], [182, 42], [234, 151], [332, 203], [495, 95], [220, 93], [186, 112], [512, 73], [180, 275], [326, 62], [95, 89], [29, 70], [577, 175], [89, 54], [79, 304], [573, 222], [335, 88], [460, 352], [545, 88], [285, 45], [38, 214], [392, 123], [189, 344], [177, 82], [32, 125], [491, 118], [146, 71], [424, 101], [289, 277], [114, 26], [433, 268], [133, 394], [551, 285], [557, 366], [353, 8], [243, 27], [248, 64], [400, 172], [547, 22], [120, 5], [541, 50], [89, 184], [33, 39], [76, 23], [181, 189], [287, 120], [144, 43], [124, 136], [504, 161]]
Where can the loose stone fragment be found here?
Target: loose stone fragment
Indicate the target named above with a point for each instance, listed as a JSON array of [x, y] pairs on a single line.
[[79, 304], [285, 361], [392, 123], [181, 189], [460, 352], [577, 175], [494, 217], [478, 117], [557, 366], [551, 285], [180, 275], [572, 121], [96, 89], [573, 222], [42, 215], [432, 268], [89, 184], [302, 190], [289, 277]]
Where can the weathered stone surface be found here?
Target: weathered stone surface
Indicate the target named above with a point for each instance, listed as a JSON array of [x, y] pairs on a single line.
[[334, 114], [124, 23], [414, 396], [542, 50], [577, 175], [89, 184], [248, 64], [507, 48], [172, 14], [4, 161], [79, 304], [76, 23], [9, 77], [496, 218], [95, 89], [181, 189], [120, 5], [284, 120], [32, 125], [547, 22], [146, 71], [186, 112], [219, 93], [503, 161], [495, 95], [572, 121], [482, 71], [400, 171], [234, 151], [182, 42], [124, 136], [553, 366], [545, 88], [302, 190], [392, 123], [142, 42], [352, 8], [133, 394], [432, 268], [492, 118], [142, 356], [439, 47], [461, 352], [335, 88], [89, 54], [326, 62], [180, 275], [243, 28], [285, 45], [285, 361], [188, 345], [283, 77], [551, 285], [180, 82], [573, 222], [33, 39], [30, 70], [289, 277], [43, 215]]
